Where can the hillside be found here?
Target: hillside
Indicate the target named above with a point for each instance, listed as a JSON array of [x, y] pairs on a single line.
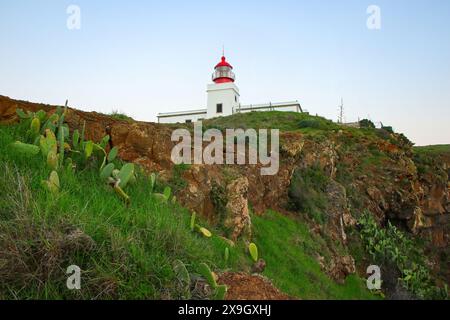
[[343, 199]]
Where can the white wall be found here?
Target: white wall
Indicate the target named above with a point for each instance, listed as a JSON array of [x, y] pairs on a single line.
[[268, 108], [182, 118], [225, 93]]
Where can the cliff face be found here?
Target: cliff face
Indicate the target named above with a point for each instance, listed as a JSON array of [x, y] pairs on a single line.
[[349, 171]]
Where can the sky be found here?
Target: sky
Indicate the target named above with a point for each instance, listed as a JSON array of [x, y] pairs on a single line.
[[146, 57]]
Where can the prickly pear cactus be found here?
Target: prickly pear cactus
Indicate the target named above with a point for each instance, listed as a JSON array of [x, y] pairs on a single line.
[[21, 114], [167, 193], [88, 149], [112, 154], [107, 171], [227, 254], [35, 126], [52, 184], [104, 142], [125, 174], [122, 193], [76, 139], [152, 181], [203, 231], [221, 292], [52, 160], [206, 272], [183, 277], [25, 148], [253, 249], [192, 224]]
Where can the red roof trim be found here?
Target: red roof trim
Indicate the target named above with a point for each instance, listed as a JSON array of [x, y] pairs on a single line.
[[223, 63]]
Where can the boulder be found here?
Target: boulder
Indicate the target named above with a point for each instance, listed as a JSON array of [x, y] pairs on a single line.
[[238, 217]]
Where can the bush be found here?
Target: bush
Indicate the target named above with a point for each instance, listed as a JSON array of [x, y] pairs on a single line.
[[390, 246], [115, 114], [219, 199], [177, 182], [366, 123], [388, 129], [310, 123], [307, 192]]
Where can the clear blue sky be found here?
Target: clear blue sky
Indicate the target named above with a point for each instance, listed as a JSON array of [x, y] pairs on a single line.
[[145, 57]]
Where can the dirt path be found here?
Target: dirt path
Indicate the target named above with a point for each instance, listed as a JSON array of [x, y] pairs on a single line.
[[242, 286]]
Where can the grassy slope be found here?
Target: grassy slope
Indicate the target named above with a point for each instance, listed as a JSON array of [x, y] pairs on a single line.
[[284, 121], [135, 246], [289, 253], [433, 150]]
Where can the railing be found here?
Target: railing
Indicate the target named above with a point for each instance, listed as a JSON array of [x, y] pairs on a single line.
[[181, 113], [269, 106], [223, 74]]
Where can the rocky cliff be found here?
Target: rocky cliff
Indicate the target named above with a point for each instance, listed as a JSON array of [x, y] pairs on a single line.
[[328, 174]]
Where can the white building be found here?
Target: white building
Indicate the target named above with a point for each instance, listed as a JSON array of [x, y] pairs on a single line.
[[224, 100]]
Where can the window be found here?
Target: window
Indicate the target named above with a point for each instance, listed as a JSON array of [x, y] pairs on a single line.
[[235, 98], [219, 108], [188, 121]]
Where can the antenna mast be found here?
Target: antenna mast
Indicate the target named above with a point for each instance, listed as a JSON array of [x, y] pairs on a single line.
[[341, 112]]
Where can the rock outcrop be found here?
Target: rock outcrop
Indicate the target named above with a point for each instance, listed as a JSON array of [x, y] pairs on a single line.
[[238, 217], [377, 174]]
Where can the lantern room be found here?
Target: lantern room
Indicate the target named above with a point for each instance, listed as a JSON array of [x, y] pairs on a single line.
[[223, 72]]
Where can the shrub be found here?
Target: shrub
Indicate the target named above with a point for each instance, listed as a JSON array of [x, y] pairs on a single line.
[[388, 129], [310, 123], [177, 182], [307, 191], [366, 123], [390, 246], [115, 114], [219, 199]]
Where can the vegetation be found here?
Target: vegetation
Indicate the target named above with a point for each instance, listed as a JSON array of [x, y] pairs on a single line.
[[391, 246], [52, 140], [145, 248], [284, 121], [307, 192], [428, 160], [219, 290], [123, 251], [290, 253], [116, 114], [365, 123], [253, 249], [67, 201], [177, 181], [219, 200], [440, 149]]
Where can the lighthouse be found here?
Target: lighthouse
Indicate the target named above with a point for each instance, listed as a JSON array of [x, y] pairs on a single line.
[[223, 94], [223, 99]]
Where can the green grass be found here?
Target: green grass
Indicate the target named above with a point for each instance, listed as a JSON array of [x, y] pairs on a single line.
[[289, 253], [307, 192], [135, 245], [284, 121], [433, 149], [132, 249], [115, 114], [428, 160]]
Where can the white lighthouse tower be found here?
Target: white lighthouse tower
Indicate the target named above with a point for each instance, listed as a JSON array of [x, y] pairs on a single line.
[[223, 94], [223, 100]]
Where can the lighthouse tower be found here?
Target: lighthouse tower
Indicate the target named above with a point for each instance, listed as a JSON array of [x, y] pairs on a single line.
[[223, 94], [223, 100]]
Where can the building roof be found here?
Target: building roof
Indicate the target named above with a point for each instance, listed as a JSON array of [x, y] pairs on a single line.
[[223, 63]]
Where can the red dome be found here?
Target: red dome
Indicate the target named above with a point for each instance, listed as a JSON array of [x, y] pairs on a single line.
[[223, 72], [223, 63]]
